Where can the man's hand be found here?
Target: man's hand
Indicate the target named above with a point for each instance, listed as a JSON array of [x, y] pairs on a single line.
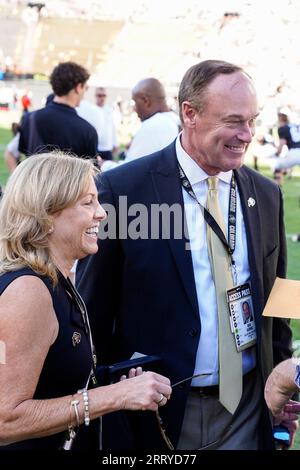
[[289, 418], [279, 389], [280, 386]]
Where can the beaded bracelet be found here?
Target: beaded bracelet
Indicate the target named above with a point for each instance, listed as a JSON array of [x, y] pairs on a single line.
[[85, 396]]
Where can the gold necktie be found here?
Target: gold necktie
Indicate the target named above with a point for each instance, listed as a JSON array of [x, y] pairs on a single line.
[[230, 360]]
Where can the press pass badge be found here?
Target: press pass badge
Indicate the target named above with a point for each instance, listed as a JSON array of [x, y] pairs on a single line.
[[241, 316]]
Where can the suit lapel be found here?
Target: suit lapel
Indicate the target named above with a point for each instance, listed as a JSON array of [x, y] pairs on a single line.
[[252, 220], [168, 191]]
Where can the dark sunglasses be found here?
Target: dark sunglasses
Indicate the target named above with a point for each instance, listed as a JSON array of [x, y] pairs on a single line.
[[100, 96]]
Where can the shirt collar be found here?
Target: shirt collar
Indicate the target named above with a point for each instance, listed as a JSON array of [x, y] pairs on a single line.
[[62, 106], [194, 173]]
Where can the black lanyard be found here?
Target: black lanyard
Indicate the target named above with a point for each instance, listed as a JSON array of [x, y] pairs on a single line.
[[230, 244], [74, 294]]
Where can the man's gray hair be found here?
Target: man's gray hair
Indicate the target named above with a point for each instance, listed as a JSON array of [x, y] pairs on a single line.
[[197, 79]]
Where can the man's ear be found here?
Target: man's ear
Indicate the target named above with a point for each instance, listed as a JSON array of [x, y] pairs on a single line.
[[147, 101], [188, 114], [78, 88]]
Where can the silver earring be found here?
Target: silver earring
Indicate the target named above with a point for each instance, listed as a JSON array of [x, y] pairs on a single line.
[[51, 230]]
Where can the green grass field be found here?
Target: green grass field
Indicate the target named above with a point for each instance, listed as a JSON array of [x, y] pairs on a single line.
[[291, 191]]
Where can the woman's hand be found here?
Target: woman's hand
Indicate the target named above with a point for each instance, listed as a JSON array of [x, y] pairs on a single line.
[[132, 373], [143, 390]]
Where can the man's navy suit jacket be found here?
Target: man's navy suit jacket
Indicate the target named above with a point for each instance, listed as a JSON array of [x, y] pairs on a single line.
[[141, 294]]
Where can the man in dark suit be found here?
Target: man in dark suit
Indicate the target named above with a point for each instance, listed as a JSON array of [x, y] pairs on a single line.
[[152, 286]]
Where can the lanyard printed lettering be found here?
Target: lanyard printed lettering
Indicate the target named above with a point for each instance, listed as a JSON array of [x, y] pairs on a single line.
[[82, 308], [230, 244]]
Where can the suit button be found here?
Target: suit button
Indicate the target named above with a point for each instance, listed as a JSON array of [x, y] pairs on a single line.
[[182, 386], [193, 332]]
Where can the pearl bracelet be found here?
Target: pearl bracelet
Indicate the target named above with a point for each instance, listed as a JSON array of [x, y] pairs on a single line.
[[85, 396]]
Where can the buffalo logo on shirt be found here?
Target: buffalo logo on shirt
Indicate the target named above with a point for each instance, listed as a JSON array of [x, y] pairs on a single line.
[[251, 202], [76, 338]]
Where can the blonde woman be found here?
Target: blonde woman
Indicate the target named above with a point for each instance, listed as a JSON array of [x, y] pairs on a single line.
[[49, 216]]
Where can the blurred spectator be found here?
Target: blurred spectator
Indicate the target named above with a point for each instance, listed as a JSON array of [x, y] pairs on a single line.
[[289, 135], [58, 126], [263, 148], [159, 126], [91, 114], [26, 103], [12, 154], [107, 143]]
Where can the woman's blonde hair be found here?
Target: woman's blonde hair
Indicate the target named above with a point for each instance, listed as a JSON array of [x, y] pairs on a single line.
[[41, 186]]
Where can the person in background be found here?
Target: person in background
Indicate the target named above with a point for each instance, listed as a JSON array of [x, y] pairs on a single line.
[[107, 138], [57, 125], [93, 114], [49, 398], [246, 311], [12, 155], [289, 135], [26, 103], [159, 125]]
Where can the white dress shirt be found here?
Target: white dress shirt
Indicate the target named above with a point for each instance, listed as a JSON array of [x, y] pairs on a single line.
[[207, 353]]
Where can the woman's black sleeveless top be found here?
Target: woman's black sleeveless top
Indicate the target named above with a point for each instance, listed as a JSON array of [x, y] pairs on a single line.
[[67, 365]]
